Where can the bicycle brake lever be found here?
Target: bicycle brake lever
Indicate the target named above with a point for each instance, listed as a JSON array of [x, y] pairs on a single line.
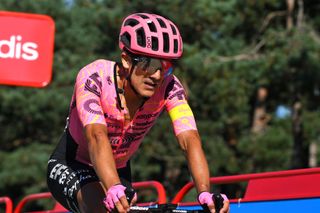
[[129, 194], [218, 203]]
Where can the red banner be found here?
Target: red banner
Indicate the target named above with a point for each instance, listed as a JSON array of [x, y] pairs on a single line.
[[26, 49]]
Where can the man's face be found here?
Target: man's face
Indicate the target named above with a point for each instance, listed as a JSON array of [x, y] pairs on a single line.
[[148, 74]]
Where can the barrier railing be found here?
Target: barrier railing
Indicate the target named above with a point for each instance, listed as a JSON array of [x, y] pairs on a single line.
[[33, 197], [8, 203], [290, 184], [161, 193]]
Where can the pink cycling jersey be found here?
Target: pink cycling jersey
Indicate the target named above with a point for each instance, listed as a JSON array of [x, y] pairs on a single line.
[[95, 101]]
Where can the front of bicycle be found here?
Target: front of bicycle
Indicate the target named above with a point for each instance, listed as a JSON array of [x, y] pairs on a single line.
[[176, 208]]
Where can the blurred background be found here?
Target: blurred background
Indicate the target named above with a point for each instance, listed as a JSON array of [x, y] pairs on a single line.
[[251, 70]]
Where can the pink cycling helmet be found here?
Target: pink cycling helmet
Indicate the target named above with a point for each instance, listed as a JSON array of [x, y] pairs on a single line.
[[151, 35]]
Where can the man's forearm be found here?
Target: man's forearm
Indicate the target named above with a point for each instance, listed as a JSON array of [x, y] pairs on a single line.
[[199, 169], [102, 159], [191, 145]]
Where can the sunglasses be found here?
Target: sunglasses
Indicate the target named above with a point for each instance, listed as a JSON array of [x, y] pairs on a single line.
[[152, 65]]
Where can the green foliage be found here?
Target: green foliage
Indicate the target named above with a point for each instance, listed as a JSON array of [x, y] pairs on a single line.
[[22, 114], [268, 152], [230, 48], [24, 170]]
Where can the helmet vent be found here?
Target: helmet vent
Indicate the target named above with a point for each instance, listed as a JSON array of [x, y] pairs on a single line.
[[174, 31], [152, 27], [126, 39], [143, 16], [161, 22], [141, 37], [131, 22], [165, 42], [155, 43], [175, 45]]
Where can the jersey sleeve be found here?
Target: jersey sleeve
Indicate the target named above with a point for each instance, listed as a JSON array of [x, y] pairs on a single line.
[[88, 94], [178, 108]]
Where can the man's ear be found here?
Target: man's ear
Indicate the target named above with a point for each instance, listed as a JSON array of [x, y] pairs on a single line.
[[125, 60]]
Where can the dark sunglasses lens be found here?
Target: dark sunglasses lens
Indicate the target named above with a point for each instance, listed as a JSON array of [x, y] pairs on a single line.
[[152, 65], [142, 62]]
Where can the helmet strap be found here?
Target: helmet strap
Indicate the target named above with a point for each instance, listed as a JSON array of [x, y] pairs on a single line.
[[128, 78]]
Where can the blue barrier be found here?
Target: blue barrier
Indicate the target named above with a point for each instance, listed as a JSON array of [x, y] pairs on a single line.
[[283, 206]]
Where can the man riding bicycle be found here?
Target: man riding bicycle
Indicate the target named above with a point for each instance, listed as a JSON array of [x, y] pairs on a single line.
[[113, 107]]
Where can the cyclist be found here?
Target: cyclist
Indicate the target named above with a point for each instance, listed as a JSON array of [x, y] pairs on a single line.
[[113, 107]]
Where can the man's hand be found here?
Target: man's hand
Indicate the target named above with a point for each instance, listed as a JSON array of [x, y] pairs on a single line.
[[207, 199], [116, 198]]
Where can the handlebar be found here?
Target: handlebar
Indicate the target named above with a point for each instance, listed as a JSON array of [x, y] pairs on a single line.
[[171, 208], [174, 208], [163, 208]]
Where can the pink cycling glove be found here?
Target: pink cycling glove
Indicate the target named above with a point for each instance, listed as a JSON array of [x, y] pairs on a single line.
[[206, 198], [114, 193]]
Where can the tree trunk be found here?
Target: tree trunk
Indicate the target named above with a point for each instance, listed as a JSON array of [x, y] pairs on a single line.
[[260, 117], [300, 15], [290, 7], [313, 154], [300, 148]]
